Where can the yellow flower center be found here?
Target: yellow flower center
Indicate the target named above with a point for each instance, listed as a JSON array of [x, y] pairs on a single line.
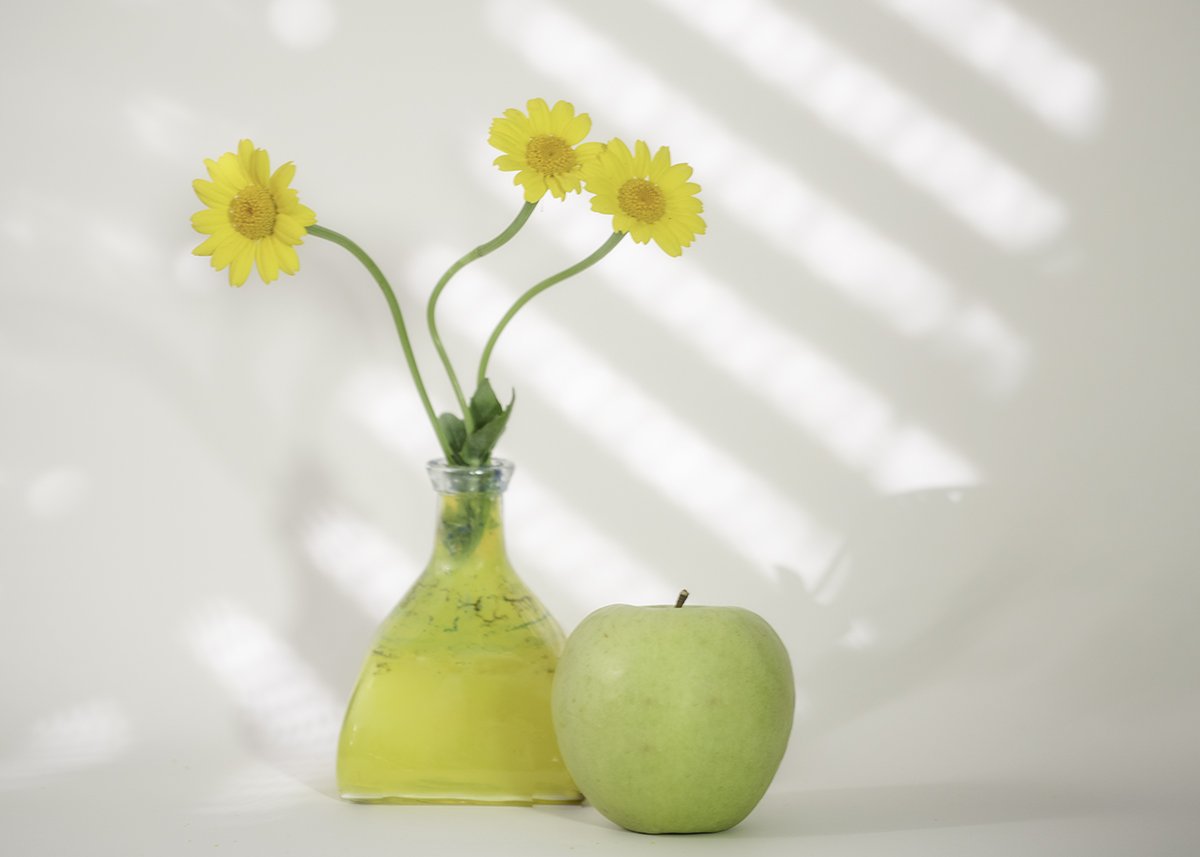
[[550, 155], [642, 200], [252, 212]]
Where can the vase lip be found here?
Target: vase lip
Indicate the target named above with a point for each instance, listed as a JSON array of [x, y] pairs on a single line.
[[487, 478]]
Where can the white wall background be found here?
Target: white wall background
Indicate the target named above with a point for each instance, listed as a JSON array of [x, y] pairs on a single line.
[[924, 397]]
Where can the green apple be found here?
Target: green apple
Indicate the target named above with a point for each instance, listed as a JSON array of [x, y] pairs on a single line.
[[673, 719]]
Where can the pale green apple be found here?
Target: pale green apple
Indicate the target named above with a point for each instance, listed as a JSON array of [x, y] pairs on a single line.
[[673, 719]]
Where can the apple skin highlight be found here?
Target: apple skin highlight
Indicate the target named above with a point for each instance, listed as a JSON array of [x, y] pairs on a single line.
[[673, 720]]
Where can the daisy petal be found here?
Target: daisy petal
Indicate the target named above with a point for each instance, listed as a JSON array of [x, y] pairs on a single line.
[[668, 243], [576, 129], [288, 260], [660, 164], [228, 250], [510, 144], [243, 263], [268, 262], [539, 116], [282, 178], [213, 242], [674, 176], [508, 162], [227, 171], [261, 167], [210, 220], [640, 232], [245, 156], [622, 222], [641, 159], [560, 117], [587, 152], [212, 194], [679, 232], [304, 215], [288, 229], [533, 182], [518, 119], [604, 204], [557, 189]]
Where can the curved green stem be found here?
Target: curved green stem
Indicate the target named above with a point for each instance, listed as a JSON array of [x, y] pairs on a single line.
[[368, 263], [583, 265], [431, 308]]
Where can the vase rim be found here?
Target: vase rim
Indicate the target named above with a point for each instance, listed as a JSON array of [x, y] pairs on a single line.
[[488, 478]]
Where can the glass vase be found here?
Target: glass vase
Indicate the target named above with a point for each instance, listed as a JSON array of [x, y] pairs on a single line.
[[453, 702]]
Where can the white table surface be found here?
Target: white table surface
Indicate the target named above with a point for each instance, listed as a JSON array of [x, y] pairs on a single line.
[[243, 806]]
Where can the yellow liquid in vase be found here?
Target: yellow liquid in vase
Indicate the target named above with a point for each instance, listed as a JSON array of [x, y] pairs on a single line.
[[478, 734], [453, 702]]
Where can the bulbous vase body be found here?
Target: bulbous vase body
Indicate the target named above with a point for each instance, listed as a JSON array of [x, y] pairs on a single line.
[[453, 701]]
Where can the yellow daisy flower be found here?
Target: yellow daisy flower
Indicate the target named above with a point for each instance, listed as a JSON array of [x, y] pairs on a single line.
[[648, 197], [253, 217], [544, 146]]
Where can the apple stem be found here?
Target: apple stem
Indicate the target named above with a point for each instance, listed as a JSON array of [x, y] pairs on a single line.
[[683, 594]]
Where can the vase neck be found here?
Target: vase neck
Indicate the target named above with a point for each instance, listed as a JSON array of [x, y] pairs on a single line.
[[470, 513]]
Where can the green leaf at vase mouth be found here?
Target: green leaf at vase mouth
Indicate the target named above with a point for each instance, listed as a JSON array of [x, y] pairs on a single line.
[[477, 450], [474, 448], [485, 407], [456, 434], [479, 446]]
